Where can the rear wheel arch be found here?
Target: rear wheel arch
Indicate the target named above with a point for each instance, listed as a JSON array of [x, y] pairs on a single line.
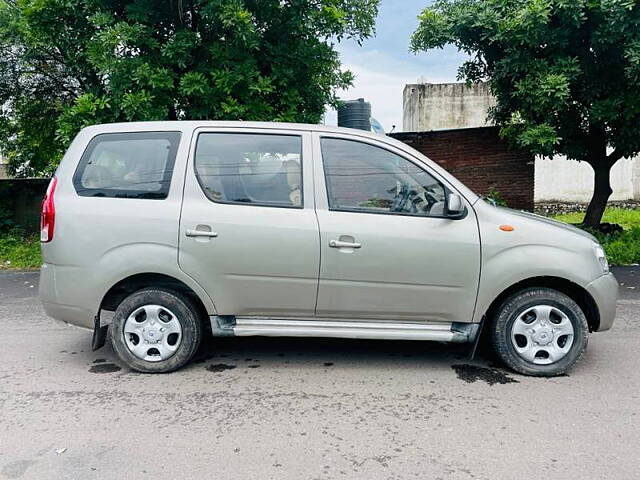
[[125, 287], [574, 291]]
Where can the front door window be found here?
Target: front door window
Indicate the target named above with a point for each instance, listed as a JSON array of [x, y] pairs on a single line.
[[369, 179]]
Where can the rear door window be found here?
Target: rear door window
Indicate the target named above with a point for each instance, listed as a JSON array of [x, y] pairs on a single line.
[[128, 165], [250, 169]]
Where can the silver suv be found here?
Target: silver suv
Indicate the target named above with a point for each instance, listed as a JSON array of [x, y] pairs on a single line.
[[162, 232]]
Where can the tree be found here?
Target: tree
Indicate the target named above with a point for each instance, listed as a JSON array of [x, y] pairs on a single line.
[[565, 73], [65, 64]]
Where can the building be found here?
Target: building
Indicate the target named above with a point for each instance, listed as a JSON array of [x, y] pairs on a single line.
[[456, 106], [429, 106]]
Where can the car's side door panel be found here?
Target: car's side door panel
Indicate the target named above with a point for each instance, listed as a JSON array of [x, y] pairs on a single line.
[[252, 259], [405, 268], [392, 266]]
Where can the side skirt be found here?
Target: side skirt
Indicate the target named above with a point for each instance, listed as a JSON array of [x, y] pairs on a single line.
[[336, 328]]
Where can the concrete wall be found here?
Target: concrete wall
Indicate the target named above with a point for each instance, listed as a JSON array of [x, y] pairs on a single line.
[[570, 181], [430, 107], [445, 106]]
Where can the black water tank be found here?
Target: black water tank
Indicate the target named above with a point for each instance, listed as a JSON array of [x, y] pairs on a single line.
[[355, 114]]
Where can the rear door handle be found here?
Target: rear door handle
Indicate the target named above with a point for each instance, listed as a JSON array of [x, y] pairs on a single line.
[[200, 233], [341, 244]]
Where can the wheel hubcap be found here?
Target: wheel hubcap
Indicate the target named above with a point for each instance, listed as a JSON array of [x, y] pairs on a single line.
[[152, 333], [542, 334]]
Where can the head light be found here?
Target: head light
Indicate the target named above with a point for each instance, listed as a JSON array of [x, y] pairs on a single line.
[[602, 257]]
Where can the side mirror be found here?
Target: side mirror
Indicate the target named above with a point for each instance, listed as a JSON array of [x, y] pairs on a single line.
[[455, 206]]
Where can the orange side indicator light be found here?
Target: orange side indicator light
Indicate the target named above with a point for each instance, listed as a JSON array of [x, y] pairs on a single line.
[[506, 228]]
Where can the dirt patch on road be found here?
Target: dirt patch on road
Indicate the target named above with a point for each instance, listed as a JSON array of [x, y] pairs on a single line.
[[220, 367], [473, 373], [104, 368]]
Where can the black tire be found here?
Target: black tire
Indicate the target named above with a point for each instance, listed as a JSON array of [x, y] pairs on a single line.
[[515, 305], [185, 312]]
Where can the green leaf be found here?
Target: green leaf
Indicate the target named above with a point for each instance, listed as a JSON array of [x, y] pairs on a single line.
[[66, 64], [565, 73]]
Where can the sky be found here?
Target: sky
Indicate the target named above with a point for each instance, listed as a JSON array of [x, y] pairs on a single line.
[[383, 64]]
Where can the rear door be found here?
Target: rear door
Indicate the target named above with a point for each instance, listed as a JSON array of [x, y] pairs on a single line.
[[248, 230], [387, 249]]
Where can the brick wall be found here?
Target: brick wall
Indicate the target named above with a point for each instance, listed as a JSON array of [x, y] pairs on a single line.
[[480, 159]]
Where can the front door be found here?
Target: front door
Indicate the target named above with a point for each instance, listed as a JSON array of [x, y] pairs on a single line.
[[248, 230], [387, 249]]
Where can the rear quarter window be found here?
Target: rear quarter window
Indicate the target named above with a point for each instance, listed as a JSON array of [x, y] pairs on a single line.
[[127, 165]]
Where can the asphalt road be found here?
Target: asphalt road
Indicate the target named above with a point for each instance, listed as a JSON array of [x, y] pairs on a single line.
[[310, 408]]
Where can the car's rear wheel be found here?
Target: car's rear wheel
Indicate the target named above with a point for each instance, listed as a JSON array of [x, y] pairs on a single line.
[[156, 330], [539, 332]]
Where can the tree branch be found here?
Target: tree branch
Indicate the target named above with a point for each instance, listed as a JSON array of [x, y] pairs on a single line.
[[614, 156]]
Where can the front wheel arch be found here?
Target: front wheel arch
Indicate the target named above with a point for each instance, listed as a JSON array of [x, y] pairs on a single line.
[[574, 291]]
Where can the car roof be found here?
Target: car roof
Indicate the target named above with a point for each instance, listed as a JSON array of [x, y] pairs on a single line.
[[191, 124]]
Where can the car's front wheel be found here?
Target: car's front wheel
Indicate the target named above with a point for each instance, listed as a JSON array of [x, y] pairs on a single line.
[[156, 330], [539, 332]]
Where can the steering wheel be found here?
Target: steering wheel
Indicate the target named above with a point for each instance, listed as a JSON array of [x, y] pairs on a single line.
[[410, 200], [400, 199]]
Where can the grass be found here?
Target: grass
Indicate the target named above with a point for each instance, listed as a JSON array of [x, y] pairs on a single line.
[[627, 219], [622, 248], [19, 250]]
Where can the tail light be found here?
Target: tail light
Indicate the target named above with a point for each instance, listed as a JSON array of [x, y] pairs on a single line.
[[48, 214]]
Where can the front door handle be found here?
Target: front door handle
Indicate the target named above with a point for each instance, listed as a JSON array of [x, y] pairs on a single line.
[[341, 244], [200, 233]]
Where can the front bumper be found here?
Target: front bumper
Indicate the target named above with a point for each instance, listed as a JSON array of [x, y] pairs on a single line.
[[604, 291]]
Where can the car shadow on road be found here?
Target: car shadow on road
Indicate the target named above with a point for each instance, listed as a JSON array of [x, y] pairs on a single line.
[[224, 356], [218, 355], [330, 350]]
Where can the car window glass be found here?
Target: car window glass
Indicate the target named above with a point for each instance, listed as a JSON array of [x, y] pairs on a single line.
[[365, 178], [255, 169], [128, 165]]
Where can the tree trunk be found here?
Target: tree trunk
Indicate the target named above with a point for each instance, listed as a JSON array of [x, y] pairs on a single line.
[[173, 114], [601, 193]]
